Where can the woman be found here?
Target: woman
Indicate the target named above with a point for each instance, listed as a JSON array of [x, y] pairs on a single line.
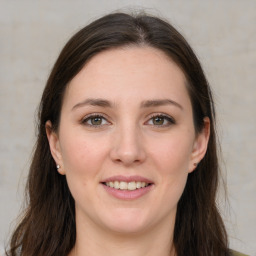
[[125, 160]]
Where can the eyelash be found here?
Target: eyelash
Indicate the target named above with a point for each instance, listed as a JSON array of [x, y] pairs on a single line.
[[91, 116], [170, 120]]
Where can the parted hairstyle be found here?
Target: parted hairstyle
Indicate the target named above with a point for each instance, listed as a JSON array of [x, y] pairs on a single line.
[[48, 223]]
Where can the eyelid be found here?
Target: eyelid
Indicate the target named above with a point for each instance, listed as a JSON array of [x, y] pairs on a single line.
[[167, 117], [170, 119], [101, 115]]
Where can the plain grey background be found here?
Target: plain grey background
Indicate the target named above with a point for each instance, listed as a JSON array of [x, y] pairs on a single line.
[[222, 33]]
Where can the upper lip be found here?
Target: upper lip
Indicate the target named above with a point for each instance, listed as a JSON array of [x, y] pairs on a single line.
[[127, 179]]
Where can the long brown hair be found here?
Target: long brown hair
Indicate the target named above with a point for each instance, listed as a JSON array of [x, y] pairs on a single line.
[[48, 225]]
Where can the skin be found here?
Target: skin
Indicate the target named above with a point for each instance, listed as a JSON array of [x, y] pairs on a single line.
[[127, 141]]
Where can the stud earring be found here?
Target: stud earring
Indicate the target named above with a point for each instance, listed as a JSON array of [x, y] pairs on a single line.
[[58, 167]]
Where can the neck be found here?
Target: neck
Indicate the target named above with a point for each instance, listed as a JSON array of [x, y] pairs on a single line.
[[92, 242]]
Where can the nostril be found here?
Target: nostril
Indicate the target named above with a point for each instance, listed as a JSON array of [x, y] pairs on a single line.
[[127, 148]]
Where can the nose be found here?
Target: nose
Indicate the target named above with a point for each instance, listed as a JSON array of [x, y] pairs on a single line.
[[128, 147]]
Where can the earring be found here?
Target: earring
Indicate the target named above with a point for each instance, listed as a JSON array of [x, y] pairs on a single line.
[[58, 167]]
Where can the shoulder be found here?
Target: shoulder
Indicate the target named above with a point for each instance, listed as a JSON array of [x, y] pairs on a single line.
[[234, 253]]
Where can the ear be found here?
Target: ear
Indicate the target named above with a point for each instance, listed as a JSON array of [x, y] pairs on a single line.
[[54, 144], [200, 145]]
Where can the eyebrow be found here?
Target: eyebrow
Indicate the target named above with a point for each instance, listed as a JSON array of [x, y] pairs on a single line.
[[144, 104], [160, 102], [94, 102]]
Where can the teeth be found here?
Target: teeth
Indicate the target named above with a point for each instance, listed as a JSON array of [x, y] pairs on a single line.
[[122, 185], [116, 184], [132, 185]]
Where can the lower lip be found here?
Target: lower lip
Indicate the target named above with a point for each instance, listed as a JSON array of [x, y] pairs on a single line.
[[127, 194]]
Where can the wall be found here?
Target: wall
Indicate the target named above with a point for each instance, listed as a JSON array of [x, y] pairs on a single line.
[[223, 33]]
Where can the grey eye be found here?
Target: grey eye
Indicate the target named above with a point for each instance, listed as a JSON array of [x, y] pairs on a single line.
[[161, 120], [158, 120], [96, 120]]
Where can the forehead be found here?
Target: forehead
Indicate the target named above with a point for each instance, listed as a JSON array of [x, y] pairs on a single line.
[[135, 59], [130, 72]]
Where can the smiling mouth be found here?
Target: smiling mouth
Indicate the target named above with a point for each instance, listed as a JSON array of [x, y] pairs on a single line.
[[123, 185]]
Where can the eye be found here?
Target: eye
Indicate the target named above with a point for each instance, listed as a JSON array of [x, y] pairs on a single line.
[[161, 120], [95, 120]]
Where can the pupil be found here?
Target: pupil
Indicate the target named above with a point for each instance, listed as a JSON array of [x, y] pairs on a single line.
[[158, 120], [96, 121]]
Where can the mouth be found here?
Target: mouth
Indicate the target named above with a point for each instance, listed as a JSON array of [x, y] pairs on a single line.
[[123, 185], [127, 188]]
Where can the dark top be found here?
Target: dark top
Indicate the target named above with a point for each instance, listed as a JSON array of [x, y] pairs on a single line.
[[234, 253]]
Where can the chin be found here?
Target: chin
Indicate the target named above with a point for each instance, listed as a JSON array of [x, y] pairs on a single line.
[[126, 228], [127, 221]]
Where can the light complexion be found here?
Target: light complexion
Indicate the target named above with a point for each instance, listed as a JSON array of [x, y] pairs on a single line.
[[126, 143]]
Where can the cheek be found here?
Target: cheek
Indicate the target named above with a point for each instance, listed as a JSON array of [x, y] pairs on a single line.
[[81, 153], [82, 160], [172, 159], [83, 157], [172, 155], [74, 153]]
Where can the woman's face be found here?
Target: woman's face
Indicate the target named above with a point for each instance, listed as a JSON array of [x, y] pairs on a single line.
[[126, 140]]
